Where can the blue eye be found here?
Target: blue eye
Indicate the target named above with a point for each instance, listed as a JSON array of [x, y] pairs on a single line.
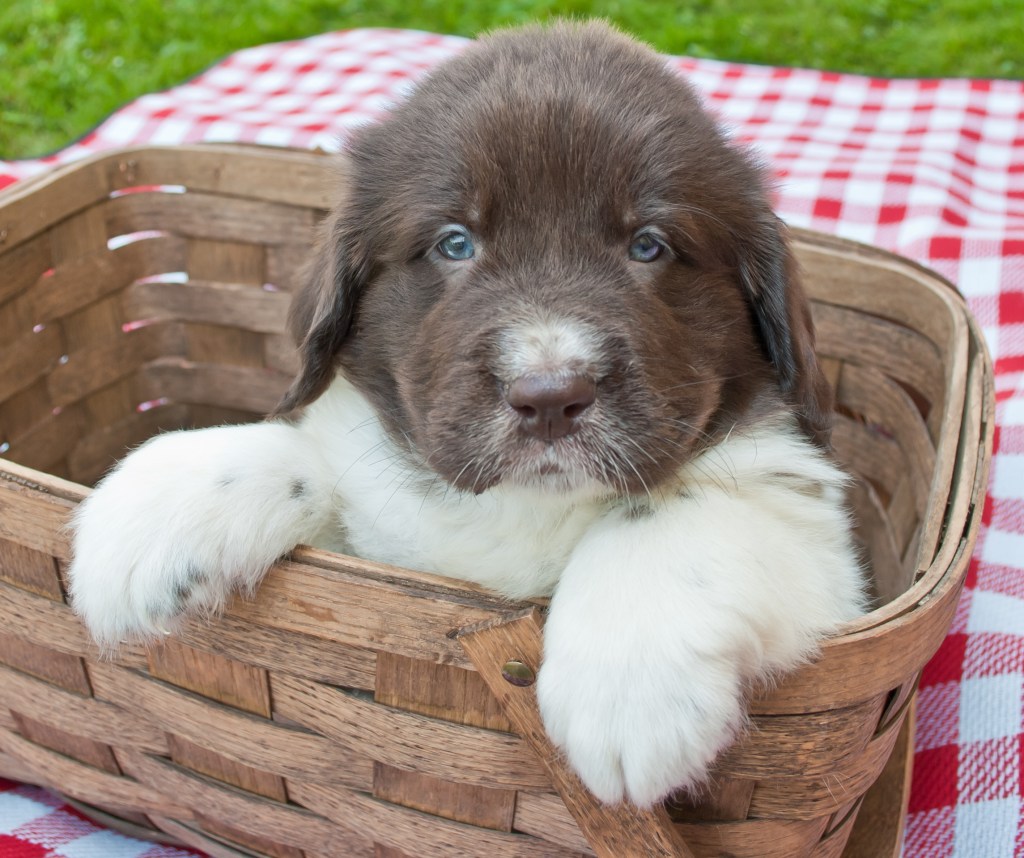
[[646, 247], [456, 245]]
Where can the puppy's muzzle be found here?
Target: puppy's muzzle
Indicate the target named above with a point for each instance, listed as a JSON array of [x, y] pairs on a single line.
[[549, 404]]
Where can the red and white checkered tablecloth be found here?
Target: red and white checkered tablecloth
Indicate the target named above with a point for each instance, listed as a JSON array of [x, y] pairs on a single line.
[[931, 169]]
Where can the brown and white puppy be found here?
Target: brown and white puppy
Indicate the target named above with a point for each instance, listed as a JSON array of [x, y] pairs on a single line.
[[553, 341]]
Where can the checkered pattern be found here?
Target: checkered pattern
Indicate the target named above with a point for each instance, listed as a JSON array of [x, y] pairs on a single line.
[[36, 824], [932, 169]]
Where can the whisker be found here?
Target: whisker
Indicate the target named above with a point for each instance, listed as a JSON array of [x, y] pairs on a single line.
[[700, 464], [380, 512], [358, 459], [427, 492], [451, 483], [710, 380]]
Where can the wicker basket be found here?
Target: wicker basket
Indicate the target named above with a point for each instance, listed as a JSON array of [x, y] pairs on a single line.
[[355, 709]]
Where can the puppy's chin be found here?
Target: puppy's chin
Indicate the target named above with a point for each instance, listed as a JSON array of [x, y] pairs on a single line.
[[576, 467], [547, 473], [551, 471]]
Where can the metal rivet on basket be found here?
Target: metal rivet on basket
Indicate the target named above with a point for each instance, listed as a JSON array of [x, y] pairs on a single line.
[[517, 673]]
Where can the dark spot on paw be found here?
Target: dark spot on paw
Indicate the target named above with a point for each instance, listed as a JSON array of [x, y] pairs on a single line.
[[182, 591], [225, 481], [298, 489], [194, 577]]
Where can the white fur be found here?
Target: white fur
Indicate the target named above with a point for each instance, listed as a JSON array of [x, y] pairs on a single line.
[[661, 621], [549, 345], [510, 539], [662, 615], [214, 501]]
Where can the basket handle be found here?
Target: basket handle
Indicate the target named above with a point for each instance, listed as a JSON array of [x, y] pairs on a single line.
[[613, 831]]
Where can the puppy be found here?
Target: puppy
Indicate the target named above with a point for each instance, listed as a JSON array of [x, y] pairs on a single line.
[[553, 341]]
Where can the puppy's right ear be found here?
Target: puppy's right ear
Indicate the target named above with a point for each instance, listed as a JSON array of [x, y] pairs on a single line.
[[323, 309]]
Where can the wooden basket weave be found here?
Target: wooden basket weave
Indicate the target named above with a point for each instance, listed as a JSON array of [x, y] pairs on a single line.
[[355, 709]]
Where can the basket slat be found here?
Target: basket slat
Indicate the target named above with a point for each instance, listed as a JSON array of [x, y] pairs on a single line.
[[754, 839], [86, 782], [807, 798], [545, 815], [227, 304], [877, 283], [234, 734], [255, 815], [245, 388], [875, 454], [872, 395], [414, 833], [812, 745], [314, 658], [864, 339], [341, 601], [30, 570], [81, 714], [438, 690], [200, 216], [281, 176], [483, 806], [28, 358], [72, 287], [23, 265], [892, 576], [462, 755]]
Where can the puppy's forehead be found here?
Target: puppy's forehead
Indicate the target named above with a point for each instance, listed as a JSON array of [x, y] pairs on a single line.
[[547, 135], [560, 116], [548, 165]]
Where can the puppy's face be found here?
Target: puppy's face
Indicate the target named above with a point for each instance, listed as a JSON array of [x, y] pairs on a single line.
[[548, 268]]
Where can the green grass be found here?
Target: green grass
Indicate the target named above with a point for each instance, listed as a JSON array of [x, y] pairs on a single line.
[[66, 64]]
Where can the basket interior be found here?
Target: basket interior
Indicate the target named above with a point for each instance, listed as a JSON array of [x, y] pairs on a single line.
[[156, 307]]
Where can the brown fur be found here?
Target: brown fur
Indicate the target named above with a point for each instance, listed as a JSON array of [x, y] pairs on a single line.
[[553, 146]]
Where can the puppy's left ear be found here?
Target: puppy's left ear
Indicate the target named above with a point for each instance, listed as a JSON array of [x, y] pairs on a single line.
[[771, 278]]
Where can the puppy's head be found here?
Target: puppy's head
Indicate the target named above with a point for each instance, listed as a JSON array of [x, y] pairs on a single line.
[[549, 267]]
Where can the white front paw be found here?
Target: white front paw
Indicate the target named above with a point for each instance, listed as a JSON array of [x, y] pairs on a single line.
[[635, 722], [184, 520]]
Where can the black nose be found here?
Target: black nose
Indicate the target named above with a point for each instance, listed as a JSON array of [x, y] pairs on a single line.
[[548, 404]]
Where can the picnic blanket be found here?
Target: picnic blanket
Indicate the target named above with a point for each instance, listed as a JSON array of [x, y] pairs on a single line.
[[931, 169]]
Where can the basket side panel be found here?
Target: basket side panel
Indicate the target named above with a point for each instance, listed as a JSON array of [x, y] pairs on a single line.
[[453, 694], [43, 691], [812, 797], [237, 684]]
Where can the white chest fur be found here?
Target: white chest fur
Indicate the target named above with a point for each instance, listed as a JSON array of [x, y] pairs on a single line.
[[510, 539]]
